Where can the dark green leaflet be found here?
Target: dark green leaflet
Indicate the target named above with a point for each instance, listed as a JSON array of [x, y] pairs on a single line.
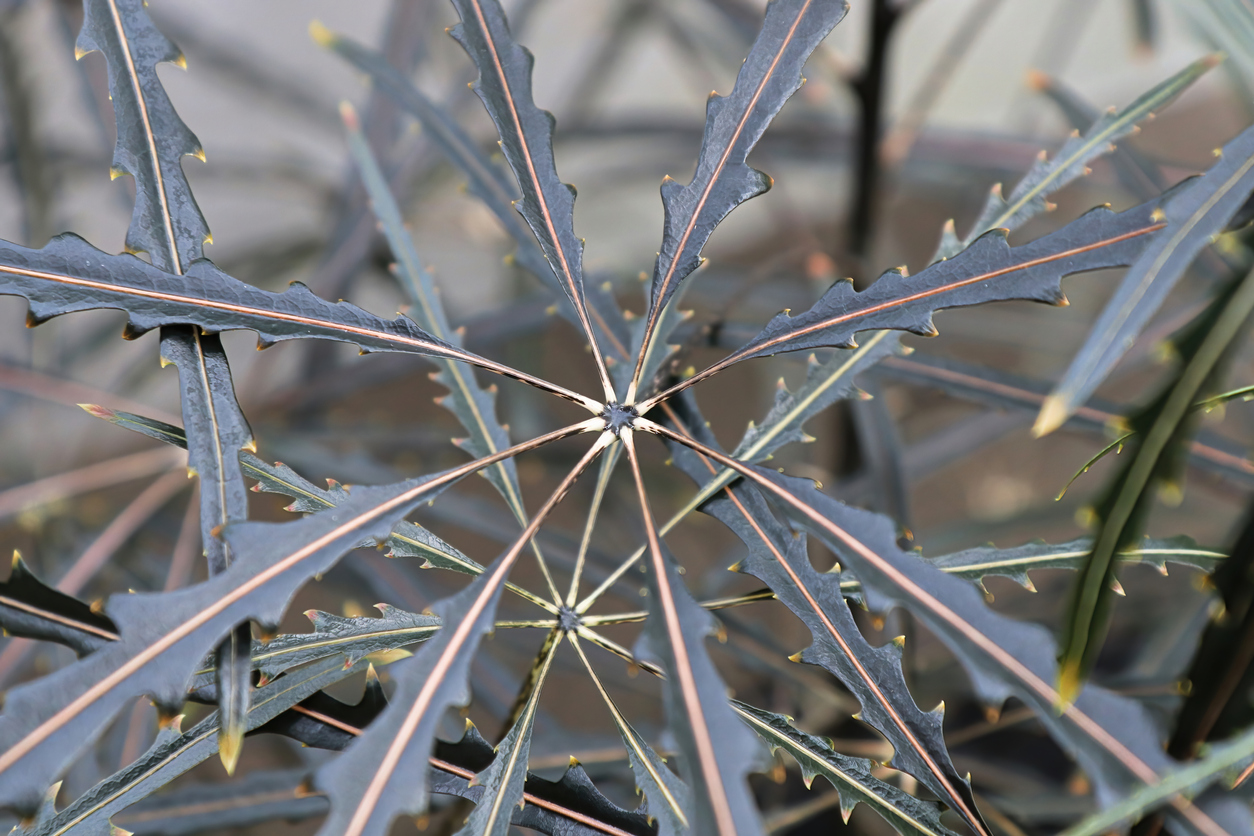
[[851, 777], [718, 752], [526, 131], [163, 636], [1111, 736], [1162, 431], [168, 225], [734, 124], [1196, 212], [487, 182], [872, 674], [990, 270], [70, 275]]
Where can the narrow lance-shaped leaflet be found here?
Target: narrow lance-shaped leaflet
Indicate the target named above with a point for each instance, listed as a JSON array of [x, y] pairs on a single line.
[[771, 73], [70, 275], [872, 674], [1112, 737], [167, 224], [163, 636], [1162, 433], [990, 270], [526, 131], [718, 751]]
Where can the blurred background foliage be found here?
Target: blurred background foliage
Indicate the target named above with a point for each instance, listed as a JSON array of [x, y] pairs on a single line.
[[967, 93]]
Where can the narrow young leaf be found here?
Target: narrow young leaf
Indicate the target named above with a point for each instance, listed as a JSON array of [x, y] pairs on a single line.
[[167, 224], [382, 775], [1162, 429], [1072, 160], [31, 609], [1195, 214], [473, 406], [503, 780], [873, 675], [718, 752], [734, 124], [1015, 563], [1221, 760], [163, 636], [990, 270], [407, 539], [851, 777], [667, 800], [1111, 736], [526, 131], [336, 635]]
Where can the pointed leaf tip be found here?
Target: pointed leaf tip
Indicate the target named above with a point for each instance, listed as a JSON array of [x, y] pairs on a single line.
[[321, 35], [1053, 415]]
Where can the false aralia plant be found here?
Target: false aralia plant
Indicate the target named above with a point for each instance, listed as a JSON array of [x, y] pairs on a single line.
[[215, 650]]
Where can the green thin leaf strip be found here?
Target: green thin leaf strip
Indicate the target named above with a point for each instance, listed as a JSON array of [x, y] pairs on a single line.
[[851, 777], [68, 275], [667, 800], [872, 674], [990, 270], [163, 636], [1112, 737], [1072, 160], [1195, 214], [771, 73], [472, 405], [1219, 761], [1161, 431]]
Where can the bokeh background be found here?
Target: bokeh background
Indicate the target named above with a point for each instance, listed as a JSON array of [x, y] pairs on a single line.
[[966, 103]]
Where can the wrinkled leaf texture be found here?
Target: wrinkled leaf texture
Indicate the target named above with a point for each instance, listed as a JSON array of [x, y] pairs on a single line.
[[791, 30], [31, 609]]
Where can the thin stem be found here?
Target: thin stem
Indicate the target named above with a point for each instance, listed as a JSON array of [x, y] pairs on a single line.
[[603, 481], [715, 604], [618, 650], [629, 736]]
